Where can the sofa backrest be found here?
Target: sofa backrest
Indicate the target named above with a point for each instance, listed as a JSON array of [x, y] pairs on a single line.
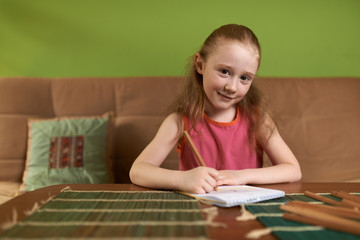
[[318, 117], [139, 105]]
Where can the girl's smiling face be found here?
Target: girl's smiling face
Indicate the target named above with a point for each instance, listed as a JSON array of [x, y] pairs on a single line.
[[227, 73]]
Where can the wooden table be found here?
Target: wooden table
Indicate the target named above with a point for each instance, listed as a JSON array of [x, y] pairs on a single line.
[[234, 230]]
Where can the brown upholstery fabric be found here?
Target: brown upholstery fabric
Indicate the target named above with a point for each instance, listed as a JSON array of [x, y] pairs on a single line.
[[29, 96], [82, 96], [318, 117], [320, 120]]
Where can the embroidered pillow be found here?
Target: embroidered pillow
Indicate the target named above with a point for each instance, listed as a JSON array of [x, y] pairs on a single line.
[[68, 150]]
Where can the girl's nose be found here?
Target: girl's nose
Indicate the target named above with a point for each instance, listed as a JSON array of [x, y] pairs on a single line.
[[230, 86]]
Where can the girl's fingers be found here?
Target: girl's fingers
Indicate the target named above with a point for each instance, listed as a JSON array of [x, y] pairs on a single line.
[[207, 188], [202, 179], [210, 185], [213, 173], [212, 180]]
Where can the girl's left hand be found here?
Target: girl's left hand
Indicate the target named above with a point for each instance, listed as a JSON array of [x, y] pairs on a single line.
[[230, 177]]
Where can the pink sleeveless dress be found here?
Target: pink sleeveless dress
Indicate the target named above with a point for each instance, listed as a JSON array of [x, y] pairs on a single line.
[[223, 146]]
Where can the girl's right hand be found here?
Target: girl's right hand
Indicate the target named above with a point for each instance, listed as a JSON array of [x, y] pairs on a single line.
[[200, 180]]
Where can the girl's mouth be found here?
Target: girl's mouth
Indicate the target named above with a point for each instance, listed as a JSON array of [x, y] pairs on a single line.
[[226, 96]]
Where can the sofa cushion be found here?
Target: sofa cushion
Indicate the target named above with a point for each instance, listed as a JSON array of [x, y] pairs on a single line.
[[19, 95], [8, 190], [68, 150], [319, 120], [82, 96]]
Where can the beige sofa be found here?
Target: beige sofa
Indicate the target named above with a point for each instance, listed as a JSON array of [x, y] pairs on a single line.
[[318, 117]]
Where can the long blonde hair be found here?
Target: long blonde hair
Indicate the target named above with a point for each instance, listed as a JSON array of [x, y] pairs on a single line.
[[191, 101]]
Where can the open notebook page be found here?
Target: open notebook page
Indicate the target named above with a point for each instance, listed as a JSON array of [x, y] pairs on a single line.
[[229, 196]]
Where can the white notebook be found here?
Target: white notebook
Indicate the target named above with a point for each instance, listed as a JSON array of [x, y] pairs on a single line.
[[229, 196]]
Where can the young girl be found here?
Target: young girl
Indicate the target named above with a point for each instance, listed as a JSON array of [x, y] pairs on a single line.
[[221, 109]]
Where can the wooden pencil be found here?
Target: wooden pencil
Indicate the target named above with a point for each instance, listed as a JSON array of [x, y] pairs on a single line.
[[338, 211], [195, 151], [193, 148], [311, 216], [346, 195], [325, 199], [350, 203]]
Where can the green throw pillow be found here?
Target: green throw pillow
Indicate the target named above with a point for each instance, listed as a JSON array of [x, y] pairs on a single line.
[[68, 150]]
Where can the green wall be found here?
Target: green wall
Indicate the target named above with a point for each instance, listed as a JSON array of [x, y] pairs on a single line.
[[58, 38]]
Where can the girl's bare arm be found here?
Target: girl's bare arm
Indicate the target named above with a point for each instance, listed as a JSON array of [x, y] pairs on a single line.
[[285, 165], [146, 170]]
